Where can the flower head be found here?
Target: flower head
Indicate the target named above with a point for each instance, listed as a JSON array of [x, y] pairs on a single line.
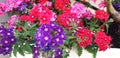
[[10, 4], [49, 36], [85, 37], [12, 20], [61, 4], [36, 52], [101, 15], [22, 6], [58, 53], [103, 41], [79, 9], [7, 39]]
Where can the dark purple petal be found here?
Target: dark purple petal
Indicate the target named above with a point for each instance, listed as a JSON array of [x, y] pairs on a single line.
[[5, 42], [49, 36], [8, 50], [36, 52]]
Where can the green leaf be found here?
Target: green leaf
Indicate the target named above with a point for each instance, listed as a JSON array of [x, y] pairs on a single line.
[[65, 54], [107, 26], [79, 51], [15, 49], [27, 48], [74, 44], [21, 51], [92, 50]]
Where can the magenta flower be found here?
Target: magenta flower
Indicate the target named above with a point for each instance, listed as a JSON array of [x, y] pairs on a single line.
[[12, 20], [79, 9], [94, 1], [10, 4], [102, 4]]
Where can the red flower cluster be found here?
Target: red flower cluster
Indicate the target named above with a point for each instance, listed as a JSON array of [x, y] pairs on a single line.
[[67, 18], [102, 40], [42, 1], [24, 17], [61, 4], [101, 15], [44, 14], [85, 37]]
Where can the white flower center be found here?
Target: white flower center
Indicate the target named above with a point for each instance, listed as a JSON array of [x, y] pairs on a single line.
[[46, 29], [57, 39], [8, 33], [1, 30], [46, 38]]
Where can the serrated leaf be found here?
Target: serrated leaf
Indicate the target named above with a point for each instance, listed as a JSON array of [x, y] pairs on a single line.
[[74, 44], [79, 51], [65, 54], [15, 50], [92, 50], [27, 48], [21, 52]]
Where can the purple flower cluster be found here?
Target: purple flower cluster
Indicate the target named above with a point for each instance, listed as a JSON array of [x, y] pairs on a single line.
[[58, 53], [22, 6], [117, 6], [49, 36], [7, 39], [36, 52]]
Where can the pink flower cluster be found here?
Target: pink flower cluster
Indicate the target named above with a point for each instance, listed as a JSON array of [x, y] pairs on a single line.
[[103, 41], [9, 5], [81, 11], [74, 14], [85, 36], [12, 20]]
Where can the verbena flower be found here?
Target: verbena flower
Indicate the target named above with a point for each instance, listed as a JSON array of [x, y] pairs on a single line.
[[117, 6], [12, 20], [85, 36], [7, 39], [40, 12], [10, 4], [22, 6], [101, 15], [36, 52], [103, 41], [79, 9], [69, 19], [102, 4], [61, 4], [58, 53], [49, 36]]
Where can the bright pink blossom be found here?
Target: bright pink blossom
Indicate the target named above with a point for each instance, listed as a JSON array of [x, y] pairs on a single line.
[[79, 9], [10, 4], [12, 20], [102, 4]]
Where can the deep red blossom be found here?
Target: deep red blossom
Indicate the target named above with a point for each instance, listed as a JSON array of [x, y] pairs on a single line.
[[34, 12], [24, 17], [101, 15], [61, 4], [103, 41], [85, 36], [42, 1], [68, 19], [45, 15]]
